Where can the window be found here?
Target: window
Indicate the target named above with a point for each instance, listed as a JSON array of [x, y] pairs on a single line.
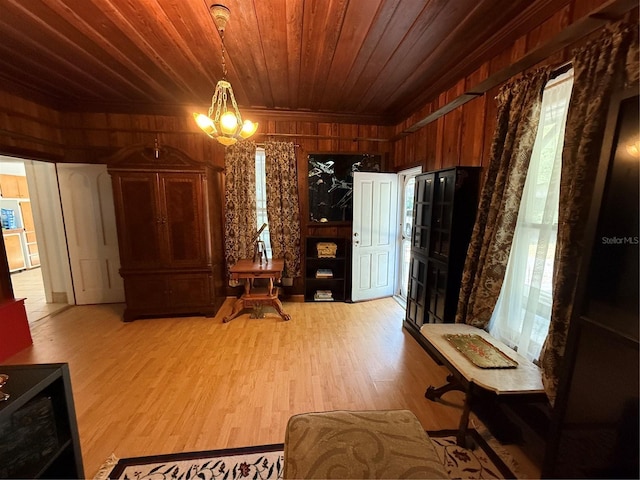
[[261, 200], [523, 311]]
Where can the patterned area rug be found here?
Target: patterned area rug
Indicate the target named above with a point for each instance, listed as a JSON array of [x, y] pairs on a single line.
[[479, 462], [267, 461]]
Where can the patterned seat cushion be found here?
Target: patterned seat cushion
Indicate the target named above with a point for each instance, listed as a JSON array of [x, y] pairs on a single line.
[[359, 444]]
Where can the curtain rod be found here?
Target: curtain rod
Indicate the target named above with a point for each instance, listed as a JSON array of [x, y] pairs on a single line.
[[559, 70]]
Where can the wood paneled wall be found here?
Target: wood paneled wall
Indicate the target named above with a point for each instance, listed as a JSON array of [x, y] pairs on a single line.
[[463, 136], [29, 129], [34, 131]]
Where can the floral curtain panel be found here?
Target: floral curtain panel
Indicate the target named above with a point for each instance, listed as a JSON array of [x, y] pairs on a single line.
[[523, 310], [240, 201], [518, 115], [283, 208], [599, 69]]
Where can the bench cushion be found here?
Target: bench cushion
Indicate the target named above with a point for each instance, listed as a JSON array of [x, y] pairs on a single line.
[[359, 444]]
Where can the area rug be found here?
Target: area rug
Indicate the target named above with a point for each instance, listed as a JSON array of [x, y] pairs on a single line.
[[480, 461], [267, 462]]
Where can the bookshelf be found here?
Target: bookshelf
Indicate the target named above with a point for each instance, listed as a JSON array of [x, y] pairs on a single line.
[[326, 278]]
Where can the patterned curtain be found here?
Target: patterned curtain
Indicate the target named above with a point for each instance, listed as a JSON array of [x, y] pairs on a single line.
[[240, 201], [599, 69], [519, 104], [283, 209]]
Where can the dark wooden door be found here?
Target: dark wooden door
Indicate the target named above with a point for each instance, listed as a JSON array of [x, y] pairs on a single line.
[[436, 292], [146, 291], [183, 229], [187, 289], [138, 209], [420, 239]]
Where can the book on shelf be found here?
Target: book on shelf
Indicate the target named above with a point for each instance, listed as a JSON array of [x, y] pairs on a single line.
[[324, 273], [322, 299], [323, 296]]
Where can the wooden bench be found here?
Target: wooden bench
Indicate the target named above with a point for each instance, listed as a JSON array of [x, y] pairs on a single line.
[[523, 382]]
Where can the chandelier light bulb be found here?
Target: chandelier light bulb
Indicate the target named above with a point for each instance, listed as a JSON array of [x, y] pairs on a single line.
[[205, 123], [248, 129], [228, 123]]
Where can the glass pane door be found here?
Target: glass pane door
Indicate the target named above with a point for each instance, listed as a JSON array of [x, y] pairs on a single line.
[[407, 183]]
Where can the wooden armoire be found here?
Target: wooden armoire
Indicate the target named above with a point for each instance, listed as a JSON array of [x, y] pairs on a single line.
[[170, 232]]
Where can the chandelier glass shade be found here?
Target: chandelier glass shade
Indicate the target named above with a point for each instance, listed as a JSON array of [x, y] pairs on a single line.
[[223, 121]]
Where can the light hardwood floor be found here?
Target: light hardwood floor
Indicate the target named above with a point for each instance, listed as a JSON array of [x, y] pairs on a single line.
[[179, 384], [28, 284]]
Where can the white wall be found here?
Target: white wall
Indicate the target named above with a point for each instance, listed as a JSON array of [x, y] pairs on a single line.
[[11, 166]]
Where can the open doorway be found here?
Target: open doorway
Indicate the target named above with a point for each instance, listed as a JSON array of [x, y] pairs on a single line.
[[31, 231], [406, 191]]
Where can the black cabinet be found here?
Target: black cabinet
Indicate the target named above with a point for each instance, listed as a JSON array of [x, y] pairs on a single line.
[[326, 274], [594, 424], [38, 429], [444, 212]]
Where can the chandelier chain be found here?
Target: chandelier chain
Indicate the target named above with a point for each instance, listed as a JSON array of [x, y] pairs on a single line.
[[224, 65]]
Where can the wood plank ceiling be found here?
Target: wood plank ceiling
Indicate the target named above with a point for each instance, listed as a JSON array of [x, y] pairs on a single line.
[[376, 59]]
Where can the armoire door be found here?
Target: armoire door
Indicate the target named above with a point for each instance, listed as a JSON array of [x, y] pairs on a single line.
[[442, 215], [140, 219], [422, 211], [183, 224], [417, 291]]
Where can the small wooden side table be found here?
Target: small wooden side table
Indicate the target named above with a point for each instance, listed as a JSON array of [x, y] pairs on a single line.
[[257, 297]]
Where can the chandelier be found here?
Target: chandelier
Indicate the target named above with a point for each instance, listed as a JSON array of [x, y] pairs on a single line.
[[223, 122]]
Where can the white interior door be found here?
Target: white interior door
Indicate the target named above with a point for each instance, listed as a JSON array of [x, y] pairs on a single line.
[[90, 223], [375, 226]]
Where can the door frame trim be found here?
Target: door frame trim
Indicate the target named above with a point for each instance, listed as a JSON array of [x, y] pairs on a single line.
[[402, 175]]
